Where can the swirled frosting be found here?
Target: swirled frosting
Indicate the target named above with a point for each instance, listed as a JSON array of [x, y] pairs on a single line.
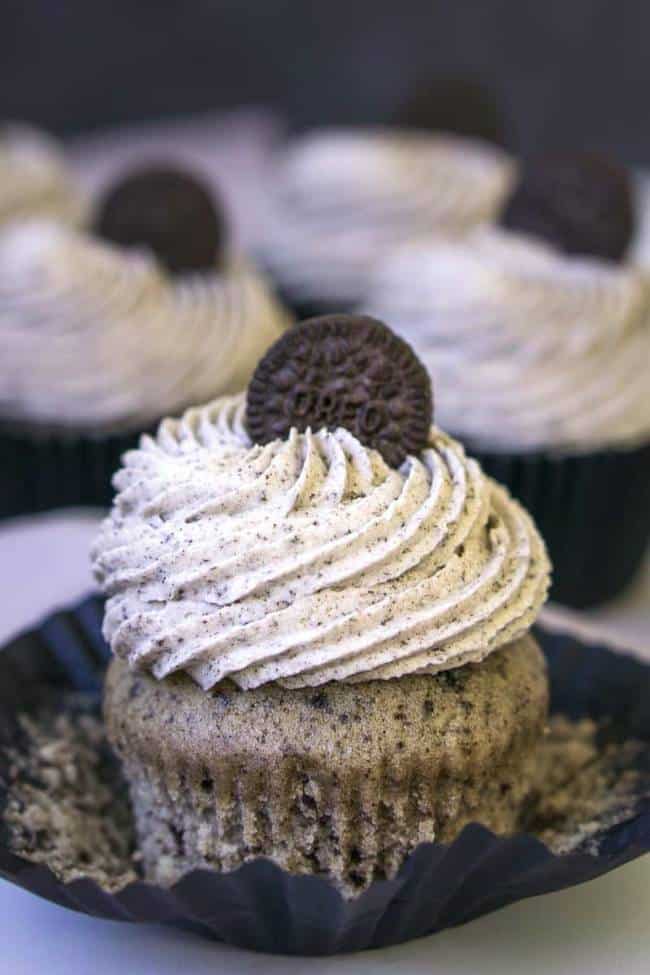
[[528, 348], [344, 198], [33, 177], [309, 559], [97, 337]]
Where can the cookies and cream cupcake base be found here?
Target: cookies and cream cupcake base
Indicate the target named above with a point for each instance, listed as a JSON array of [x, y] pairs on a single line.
[[333, 782]]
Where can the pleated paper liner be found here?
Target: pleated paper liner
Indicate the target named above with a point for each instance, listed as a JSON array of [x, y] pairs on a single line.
[[261, 907], [593, 511], [47, 471]]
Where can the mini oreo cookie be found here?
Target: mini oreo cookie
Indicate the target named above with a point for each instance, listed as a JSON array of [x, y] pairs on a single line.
[[347, 371], [457, 105], [582, 204], [168, 211]]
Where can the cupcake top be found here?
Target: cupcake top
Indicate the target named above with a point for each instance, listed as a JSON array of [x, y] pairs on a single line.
[[108, 330], [33, 177], [233, 150], [347, 196], [103, 337], [530, 348], [309, 558]]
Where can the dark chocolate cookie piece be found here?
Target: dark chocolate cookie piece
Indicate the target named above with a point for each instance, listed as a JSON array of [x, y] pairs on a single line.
[[581, 204], [167, 211], [457, 105], [347, 371]]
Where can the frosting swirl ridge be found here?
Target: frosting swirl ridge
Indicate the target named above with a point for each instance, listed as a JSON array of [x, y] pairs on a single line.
[[309, 559]]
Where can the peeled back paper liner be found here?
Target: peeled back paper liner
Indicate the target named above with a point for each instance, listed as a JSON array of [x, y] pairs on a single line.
[[46, 471], [592, 511], [261, 907]]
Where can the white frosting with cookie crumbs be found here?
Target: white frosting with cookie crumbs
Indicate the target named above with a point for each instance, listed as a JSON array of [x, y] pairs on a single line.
[[528, 348], [101, 338], [308, 559], [33, 177], [345, 197]]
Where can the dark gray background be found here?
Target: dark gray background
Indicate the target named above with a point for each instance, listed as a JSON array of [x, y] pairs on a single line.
[[569, 72]]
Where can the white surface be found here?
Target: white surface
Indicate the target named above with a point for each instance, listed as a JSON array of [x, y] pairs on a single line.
[[598, 928]]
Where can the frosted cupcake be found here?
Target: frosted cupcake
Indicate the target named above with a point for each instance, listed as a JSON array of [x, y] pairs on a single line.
[[319, 608], [344, 198], [33, 177], [540, 353], [104, 333]]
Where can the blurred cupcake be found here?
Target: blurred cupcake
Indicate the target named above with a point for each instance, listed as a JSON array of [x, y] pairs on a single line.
[[319, 608], [538, 336], [33, 177], [344, 198], [104, 333]]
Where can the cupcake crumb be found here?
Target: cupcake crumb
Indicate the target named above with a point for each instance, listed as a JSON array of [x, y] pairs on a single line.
[[586, 785], [67, 805]]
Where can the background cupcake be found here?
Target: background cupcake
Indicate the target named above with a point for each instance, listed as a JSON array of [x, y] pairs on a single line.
[[344, 197], [289, 612], [34, 179], [538, 336], [106, 332]]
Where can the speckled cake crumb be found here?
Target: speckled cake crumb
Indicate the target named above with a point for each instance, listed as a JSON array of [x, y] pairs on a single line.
[[585, 786], [342, 781], [67, 806]]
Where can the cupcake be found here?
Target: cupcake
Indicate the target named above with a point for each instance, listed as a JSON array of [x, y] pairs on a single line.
[[33, 177], [104, 333], [346, 197], [537, 333], [319, 609]]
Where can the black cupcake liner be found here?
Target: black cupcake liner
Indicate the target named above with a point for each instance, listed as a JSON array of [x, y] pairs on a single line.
[[42, 472], [261, 907], [593, 511]]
